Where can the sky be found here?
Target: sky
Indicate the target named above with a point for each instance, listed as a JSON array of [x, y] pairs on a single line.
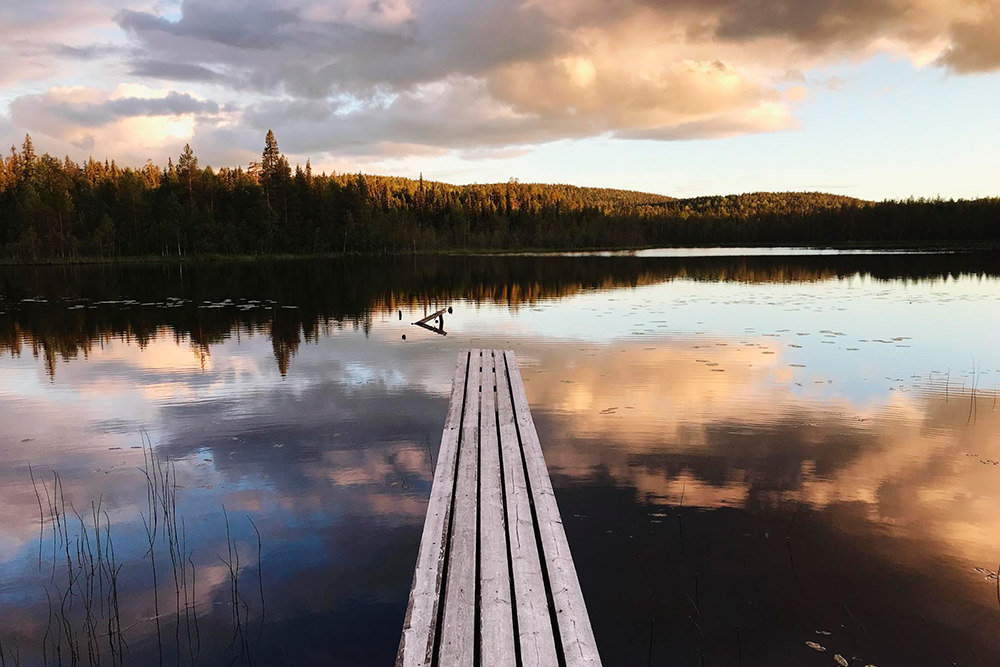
[[867, 98]]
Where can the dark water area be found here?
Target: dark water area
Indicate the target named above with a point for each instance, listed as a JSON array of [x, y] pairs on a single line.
[[755, 457]]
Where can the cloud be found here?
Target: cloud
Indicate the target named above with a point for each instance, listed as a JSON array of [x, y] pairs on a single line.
[[6, 128], [45, 37], [219, 23], [94, 115], [818, 23], [975, 46], [43, 17], [415, 117], [162, 69], [398, 76], [74, 106], [130, 123], [833, 83], [308, 50], [84, 52], [25, 59]]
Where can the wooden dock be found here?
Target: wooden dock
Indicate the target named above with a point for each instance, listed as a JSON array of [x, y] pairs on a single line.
[[495, 583]]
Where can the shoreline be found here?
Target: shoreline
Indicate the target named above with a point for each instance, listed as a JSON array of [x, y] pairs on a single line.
[[875, 248]]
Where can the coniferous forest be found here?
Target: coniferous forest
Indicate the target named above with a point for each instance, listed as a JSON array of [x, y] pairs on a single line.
[[52, 209]]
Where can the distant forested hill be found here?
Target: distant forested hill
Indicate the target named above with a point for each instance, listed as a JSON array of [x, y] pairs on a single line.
[[58, 209], [756, 203], [605, 198]]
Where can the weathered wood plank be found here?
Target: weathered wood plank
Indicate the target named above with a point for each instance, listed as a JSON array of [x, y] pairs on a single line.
[[493, 554], [496, 626], [576, 634], [531, 604], [432, 316], [457, 647], [420, 625]]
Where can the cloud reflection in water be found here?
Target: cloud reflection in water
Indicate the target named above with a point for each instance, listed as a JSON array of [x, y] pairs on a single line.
[[651, 381]]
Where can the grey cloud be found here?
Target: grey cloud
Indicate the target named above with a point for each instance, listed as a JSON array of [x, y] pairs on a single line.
[[258, 27], [281, 50], [975, 46], [456, 120], [174, 104], [85, 52], [26, 48], [464, 118], [317, 111], [56, 115], [86, 143], [815, 22], [173, 71], [835, 27]]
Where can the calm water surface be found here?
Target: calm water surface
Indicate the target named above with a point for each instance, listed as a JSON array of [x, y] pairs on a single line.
[[749, 453]]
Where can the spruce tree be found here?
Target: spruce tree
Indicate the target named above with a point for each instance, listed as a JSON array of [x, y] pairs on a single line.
[[270, 161]]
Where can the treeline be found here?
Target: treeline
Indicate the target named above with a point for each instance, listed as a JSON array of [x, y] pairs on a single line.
[[58, 209]]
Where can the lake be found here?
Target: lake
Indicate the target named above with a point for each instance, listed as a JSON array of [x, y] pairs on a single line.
[[760, 459]]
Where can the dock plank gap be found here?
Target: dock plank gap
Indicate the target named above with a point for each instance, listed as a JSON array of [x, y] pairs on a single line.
[[495, 582]]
